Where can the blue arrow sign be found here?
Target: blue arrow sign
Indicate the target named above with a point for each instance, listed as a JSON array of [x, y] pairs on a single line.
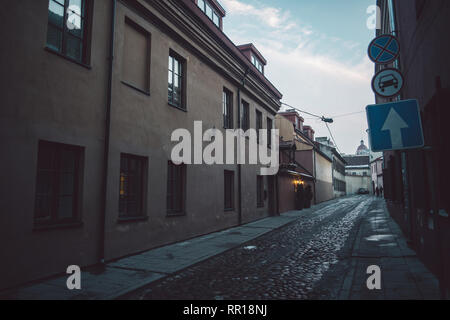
[[395, 126]]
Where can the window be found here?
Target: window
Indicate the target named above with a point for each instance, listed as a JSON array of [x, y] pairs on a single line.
[[58, 184], [259, 123], [216, 19], [245, 116], [176, 83], [269, 132], [133, 173], [227, 109], [260, 191], [176, 189], [136, 57], [258, 64], [207, 9], [229, 190], [68, 28]]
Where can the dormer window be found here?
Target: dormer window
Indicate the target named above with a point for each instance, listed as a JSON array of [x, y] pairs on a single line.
[[254, 56], [258, 64], [210, 12]]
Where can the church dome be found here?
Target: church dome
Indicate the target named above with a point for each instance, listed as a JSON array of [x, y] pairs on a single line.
[[362, 149]]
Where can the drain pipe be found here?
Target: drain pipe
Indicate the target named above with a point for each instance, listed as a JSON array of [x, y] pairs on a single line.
[[242, 85], [107, 137]]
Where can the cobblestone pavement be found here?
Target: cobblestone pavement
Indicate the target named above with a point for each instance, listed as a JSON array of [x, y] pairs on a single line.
[[303, 260]]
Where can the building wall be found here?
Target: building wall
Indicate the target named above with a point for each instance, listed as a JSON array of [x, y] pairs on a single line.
[[306, 159], [358, 181], [338, 176], [324, 179], [415, 181], [53, 99], [287, 195], [286, 189], [326, 147], [285, 127], [377, 173], [48, 98]]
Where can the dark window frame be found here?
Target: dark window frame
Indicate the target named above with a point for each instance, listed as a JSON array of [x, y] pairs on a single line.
[[269, 132], [227, 108], [84, 39], [245, 115], [175, 57], [141, 209], [174, 174], [214, 13], [257, 63], [55, 172], [259, 124], [229, 197]]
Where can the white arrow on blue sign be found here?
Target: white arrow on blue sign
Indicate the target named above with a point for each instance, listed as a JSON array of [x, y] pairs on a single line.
[[395, 126]]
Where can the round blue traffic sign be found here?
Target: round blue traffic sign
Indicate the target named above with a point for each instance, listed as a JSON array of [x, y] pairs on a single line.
[[388, 83], [384, 49]]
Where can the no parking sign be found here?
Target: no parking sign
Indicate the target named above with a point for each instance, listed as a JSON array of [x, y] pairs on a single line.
[[384, 49]]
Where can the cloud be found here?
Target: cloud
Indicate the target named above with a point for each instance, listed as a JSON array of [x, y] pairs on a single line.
[[316, 72], [273, 17]]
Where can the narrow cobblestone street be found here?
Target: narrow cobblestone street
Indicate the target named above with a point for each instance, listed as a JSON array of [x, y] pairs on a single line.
[[307, 259]]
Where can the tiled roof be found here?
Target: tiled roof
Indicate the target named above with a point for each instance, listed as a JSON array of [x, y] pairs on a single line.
[[357, 160], [232, 47]]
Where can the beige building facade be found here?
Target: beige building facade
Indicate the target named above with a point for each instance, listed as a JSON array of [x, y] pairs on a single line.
[[88, 144], [358, 174], [310, 160]]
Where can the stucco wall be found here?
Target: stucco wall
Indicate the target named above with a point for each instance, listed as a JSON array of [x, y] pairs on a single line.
[[47, 98], [51, 98], [286, 128], [324, 182], [286, 193], [354, 183]]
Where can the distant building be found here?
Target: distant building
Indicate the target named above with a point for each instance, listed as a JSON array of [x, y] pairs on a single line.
[[362, 150], [357, 170], [339, 163], [315, 166], [296, 163], [376, 167]]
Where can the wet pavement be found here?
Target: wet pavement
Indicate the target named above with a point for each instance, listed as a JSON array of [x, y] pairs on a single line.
[[319, 253], [311, 258]]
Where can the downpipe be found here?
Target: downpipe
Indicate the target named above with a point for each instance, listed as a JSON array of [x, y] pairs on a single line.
[[239, 119], [107, 136]]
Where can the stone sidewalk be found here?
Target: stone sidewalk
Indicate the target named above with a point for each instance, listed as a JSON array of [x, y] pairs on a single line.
[[380, 242], [126, 275]]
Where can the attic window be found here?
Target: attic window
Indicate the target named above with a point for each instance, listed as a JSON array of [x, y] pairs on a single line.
[[258, 64], [208, 9]]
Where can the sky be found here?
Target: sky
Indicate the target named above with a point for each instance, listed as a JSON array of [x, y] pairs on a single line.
[[316, 54]]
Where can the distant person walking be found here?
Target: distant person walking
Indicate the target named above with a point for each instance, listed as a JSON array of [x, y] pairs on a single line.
[[377, 191], [381, 191]]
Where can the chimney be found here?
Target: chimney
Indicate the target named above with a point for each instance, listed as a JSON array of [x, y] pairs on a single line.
[[309, 132], [293, 117]]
